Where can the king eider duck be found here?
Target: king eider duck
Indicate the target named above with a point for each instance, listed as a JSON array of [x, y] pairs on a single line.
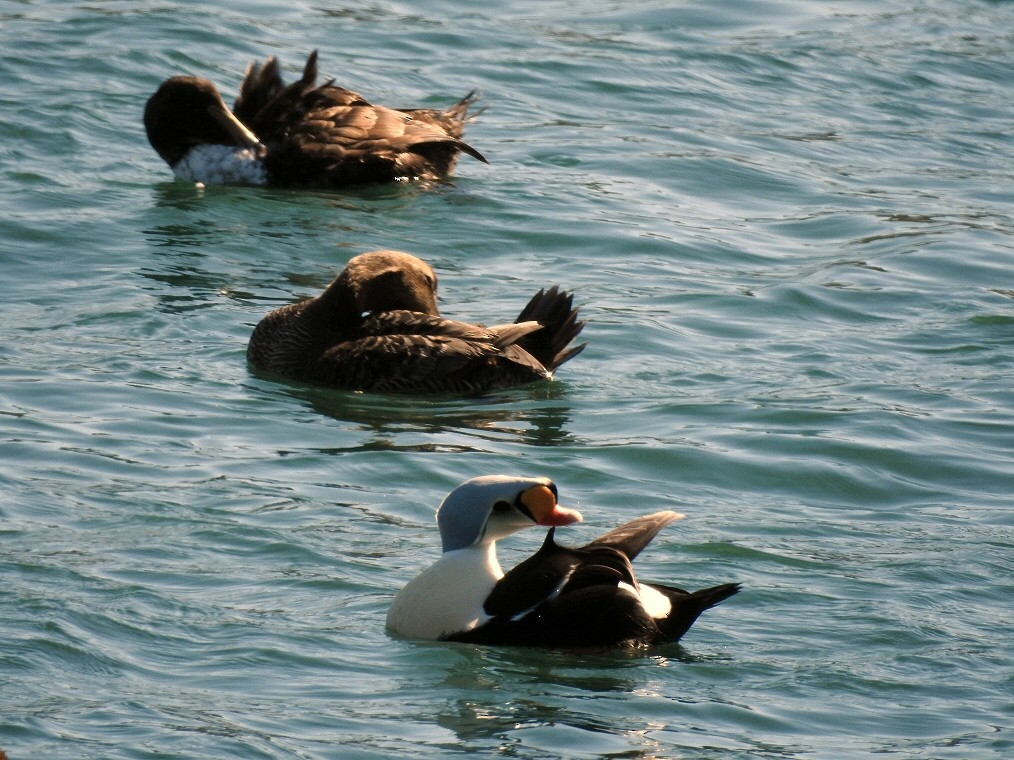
[[298, 135], [377, 328], [560, 597]]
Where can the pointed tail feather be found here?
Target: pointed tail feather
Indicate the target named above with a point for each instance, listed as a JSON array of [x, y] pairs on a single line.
[[310, 70], [460, 111], [553, 309], [261, 84], [687, 607], [466, 148], [453, 121]]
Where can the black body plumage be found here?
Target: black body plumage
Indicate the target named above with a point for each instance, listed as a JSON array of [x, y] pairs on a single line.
[[571, 596]]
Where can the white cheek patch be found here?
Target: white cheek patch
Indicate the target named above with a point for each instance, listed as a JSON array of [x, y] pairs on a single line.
[[221, 165]]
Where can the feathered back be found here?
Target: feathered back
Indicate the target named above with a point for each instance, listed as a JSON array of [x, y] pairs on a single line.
[[325, 130]]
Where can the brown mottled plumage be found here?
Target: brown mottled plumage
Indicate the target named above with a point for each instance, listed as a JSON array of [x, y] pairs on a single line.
[[377, 328], [304, 134]]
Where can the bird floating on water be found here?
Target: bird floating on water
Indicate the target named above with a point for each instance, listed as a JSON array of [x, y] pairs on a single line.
[[299, 135], [560, 597], [377, 327]]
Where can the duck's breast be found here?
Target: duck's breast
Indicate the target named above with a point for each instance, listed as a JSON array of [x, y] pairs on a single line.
[[444, 599]]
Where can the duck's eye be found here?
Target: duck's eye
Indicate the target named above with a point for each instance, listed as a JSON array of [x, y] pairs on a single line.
[[501, 506]]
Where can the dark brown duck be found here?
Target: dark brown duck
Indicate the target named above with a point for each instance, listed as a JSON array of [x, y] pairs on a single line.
[[377, 327], [299, 135]]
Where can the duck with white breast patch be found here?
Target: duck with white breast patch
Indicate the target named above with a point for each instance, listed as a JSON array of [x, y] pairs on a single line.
[[301, 134], [560, 597]]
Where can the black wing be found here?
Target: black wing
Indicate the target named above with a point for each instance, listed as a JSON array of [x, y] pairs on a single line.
[[263, 85], [554, 571], [572, 597], [565, 596]]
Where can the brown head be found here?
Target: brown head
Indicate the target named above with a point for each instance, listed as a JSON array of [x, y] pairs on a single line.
[[189, 111], [387, 280]]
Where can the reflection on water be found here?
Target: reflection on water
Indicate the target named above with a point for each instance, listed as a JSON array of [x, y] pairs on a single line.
[[185, 196], [536, 414], [538, 677], [188, 196], [565, 698]]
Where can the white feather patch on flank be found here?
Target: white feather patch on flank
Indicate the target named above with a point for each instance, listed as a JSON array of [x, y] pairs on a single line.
[[655, 603], [221, 165]]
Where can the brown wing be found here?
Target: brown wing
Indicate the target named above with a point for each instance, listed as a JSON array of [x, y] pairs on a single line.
[[328, 135], [404, 363], [403, 351]]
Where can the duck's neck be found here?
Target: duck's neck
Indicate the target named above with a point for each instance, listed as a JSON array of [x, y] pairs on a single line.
[[481, 559], [334, 305], [331, 317]]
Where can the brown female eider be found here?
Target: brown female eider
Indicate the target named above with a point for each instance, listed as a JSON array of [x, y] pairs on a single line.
[[298, 135], [377, 328], [559, 597]]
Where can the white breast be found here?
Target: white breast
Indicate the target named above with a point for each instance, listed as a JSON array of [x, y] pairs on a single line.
[[446, 597], [221, 165]]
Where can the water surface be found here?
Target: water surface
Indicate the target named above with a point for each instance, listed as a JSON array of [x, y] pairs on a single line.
[[789, 227]]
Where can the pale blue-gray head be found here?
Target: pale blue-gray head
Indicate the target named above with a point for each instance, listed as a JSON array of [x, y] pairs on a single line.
[[484, 509]]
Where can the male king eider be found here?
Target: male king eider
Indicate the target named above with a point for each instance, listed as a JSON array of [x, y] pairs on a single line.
[[300, 135], [559, 597], [377, 328]]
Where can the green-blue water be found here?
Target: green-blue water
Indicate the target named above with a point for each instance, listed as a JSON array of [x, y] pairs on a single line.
[[790, 227]]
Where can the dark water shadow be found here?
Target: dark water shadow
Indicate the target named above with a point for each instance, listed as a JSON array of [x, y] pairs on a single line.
[[548, 687], [537, 415], [188, 196]]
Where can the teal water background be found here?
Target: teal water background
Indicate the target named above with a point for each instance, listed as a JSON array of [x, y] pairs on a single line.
[[789, 225]]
